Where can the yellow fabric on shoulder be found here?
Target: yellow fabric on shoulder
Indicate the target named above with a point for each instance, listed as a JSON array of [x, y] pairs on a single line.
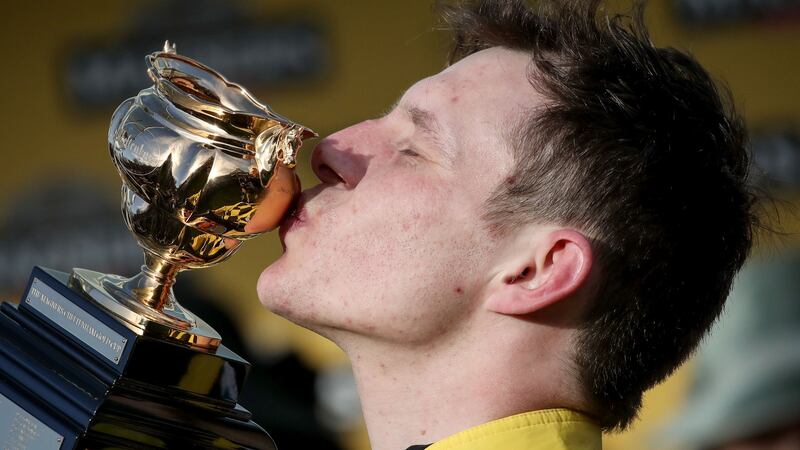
[[548, 429]]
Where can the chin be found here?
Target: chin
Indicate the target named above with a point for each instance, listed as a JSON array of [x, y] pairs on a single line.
[[283, 296], [270, 291]]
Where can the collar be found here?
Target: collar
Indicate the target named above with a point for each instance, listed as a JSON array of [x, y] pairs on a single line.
[[551, 429]]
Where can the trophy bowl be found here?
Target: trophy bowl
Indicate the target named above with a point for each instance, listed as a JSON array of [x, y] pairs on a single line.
[[204, 167]]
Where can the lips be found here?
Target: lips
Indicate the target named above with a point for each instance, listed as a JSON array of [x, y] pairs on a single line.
[[294, 218], [303, 212]]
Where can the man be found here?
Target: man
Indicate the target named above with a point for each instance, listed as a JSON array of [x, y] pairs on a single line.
[[528, 240]]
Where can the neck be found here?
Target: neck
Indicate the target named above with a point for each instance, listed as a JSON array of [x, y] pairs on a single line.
[[421, 395]]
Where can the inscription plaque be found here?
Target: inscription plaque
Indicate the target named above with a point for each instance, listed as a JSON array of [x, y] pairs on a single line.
[[22, 431], [77, 322]]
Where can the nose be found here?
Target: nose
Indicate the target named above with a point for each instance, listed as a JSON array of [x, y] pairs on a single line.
[[343, 157]]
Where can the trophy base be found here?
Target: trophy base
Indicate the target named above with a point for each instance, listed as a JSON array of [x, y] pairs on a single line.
[[74, 376], [173, 322]]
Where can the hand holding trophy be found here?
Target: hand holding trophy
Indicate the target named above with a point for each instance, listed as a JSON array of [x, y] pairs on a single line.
[[96, 359]]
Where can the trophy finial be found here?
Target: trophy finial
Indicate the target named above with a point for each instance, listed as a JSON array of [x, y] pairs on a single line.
[[169, 47]]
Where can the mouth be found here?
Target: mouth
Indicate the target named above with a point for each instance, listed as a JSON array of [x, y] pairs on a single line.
[[294, 219]]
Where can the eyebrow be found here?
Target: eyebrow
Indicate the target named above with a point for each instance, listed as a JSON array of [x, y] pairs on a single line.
[[424, 120], [427, 122]]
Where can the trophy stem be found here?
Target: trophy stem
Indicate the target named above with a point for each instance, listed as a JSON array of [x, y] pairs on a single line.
[[154, 288], [145, 300]]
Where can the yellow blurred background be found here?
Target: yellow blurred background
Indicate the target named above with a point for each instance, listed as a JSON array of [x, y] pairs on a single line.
[[373, 51]]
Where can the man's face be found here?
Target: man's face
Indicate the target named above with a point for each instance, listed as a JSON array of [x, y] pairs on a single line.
[[392, 243]]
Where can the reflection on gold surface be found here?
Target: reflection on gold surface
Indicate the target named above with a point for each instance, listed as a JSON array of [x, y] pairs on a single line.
[[204, 166]]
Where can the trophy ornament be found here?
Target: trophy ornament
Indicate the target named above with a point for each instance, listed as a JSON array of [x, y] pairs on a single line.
[[204, 167]]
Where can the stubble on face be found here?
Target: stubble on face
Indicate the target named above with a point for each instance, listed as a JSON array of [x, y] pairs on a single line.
[[401, 252]]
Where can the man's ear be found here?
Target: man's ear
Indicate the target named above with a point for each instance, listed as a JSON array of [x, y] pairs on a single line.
[[552, 268]]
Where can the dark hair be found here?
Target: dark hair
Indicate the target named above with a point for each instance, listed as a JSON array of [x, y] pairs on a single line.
[[639, 149]]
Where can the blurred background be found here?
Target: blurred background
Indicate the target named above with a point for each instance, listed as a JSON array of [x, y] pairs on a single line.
[[67, 65]]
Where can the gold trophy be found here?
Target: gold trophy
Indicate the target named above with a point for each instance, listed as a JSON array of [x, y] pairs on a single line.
[[204, 167], [93, 360]]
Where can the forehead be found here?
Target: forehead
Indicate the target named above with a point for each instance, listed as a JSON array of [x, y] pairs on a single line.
[[478, 101], [490, 86]]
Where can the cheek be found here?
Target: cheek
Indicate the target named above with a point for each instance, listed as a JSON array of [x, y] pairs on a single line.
[[394, 212], [407, 232], [390, 253]]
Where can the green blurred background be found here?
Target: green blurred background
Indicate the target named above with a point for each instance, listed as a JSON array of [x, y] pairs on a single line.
[[363, 55]]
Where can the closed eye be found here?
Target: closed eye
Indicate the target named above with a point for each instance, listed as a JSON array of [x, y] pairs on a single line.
[[409, 152]]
